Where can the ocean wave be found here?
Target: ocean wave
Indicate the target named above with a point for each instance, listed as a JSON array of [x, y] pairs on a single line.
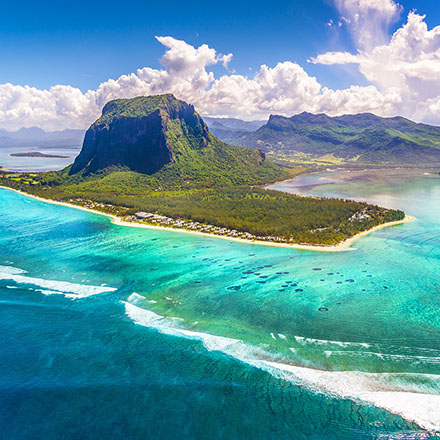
[[400, 357], [414, 396], [11, 270], [345, 348], [52, 287], [416, 403], [303, 341], [230, 346]]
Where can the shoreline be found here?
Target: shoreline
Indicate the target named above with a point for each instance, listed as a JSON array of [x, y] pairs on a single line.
[[343, 246]]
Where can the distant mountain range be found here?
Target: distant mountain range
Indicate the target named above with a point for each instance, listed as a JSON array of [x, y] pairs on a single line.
[[307, 138], [228, 129], [362, 138], [36, 137]]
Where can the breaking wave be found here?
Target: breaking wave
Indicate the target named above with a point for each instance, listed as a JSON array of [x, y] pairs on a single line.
[[51, 287], [414, 396]]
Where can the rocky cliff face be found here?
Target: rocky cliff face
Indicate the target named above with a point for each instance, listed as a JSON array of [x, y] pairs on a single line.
[[142, 134], [165, 138]]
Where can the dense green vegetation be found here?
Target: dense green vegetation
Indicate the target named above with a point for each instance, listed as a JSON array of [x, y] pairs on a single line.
[[356, 139], [167, 141], [255, 210], [155, 154]]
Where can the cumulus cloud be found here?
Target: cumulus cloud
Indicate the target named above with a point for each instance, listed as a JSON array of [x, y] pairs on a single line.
[[285, 88], [409, 64], [360, 100], [402, 74], [59, 107], [330, 58]]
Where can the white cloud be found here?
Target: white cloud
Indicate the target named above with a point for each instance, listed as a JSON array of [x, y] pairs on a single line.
[[359, 100], [285, 89], [60, 106], [409, 64], [330, 58], [402, 74], [368, 20]]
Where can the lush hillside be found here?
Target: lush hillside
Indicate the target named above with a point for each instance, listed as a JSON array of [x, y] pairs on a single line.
[[164, 138], [363, 139], [156, 155]]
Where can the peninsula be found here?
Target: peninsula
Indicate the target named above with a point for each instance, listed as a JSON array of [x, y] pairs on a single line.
[[152, 161]]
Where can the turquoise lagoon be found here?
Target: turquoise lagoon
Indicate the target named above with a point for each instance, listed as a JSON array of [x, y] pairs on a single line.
[[127, 333], [37, 164]]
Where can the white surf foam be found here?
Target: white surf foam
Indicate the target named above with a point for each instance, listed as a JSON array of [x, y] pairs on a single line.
[[397, 393], [387, 356], [230, 346], [50, 292], [414, 404], [352, 349], [135, 297], [303, 341], [69, 290], [11, 270]]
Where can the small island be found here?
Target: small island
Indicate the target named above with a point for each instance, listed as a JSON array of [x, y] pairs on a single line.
[[152, 162], [38, 154]]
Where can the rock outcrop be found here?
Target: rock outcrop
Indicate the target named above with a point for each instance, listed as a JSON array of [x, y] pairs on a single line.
[[141, 134]]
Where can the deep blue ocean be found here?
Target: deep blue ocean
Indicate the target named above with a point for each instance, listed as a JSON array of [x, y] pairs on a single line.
[[112, 332]]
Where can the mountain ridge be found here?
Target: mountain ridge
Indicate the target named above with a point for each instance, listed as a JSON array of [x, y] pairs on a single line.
[[37, 137], [167, 139], [155, 156], [364, 138], [228, 129]]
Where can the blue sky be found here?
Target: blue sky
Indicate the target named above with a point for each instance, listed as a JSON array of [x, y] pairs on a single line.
[[84, 44], [88, 42]]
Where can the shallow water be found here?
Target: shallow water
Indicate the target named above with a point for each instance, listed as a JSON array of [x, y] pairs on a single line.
[[131, 333], [30, 164]]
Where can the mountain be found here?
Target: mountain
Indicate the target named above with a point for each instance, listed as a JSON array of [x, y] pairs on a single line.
[[362, 138], [153, 159], [228, 129], [232, 124], [36, 137], [165, 138]]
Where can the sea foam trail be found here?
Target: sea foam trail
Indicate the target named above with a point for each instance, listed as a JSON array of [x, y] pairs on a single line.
[[52, 287], [11, 270], [303, 341], [403, 394]]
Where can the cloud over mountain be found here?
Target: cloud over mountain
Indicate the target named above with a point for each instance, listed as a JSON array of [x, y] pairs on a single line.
[[408, 66], [402, 73]]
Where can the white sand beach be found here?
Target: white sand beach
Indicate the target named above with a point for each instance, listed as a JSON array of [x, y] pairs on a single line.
[[343, 246]]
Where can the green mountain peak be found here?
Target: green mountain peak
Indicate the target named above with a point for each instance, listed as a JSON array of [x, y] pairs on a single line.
[[166, 138]]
